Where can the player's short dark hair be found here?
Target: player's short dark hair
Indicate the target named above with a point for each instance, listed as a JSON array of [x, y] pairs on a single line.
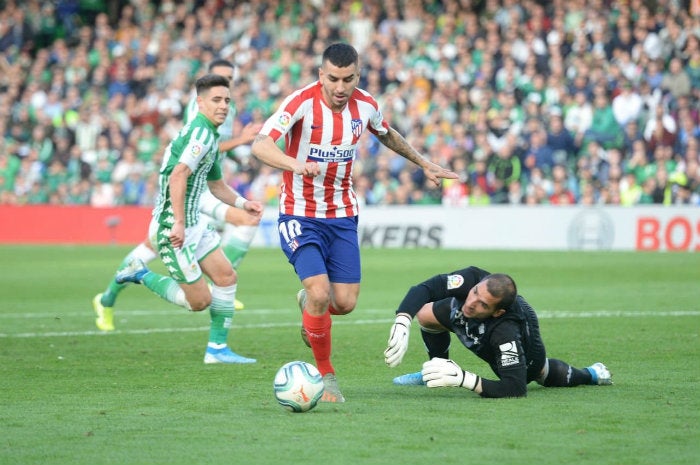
[[340, 55], [208, 81], [220, 62], [502, 287]]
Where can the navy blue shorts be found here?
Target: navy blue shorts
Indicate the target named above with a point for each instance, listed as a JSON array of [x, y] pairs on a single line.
[[322, 246]]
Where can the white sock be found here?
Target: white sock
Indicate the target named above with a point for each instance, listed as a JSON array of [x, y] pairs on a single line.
[[143, 252], [180, 299]]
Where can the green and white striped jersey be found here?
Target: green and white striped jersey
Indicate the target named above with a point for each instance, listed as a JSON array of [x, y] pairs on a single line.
[[197, 146]]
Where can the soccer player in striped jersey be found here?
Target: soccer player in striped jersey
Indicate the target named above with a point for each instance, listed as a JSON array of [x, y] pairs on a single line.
[[187, 246], [321, 124], [237, 226]]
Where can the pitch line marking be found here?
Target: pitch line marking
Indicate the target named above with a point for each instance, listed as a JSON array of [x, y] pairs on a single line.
[[541, 315]]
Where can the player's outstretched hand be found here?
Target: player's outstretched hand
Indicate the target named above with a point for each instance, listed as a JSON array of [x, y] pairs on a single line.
[[398, 340], [435, 173], [441, 372], [249, 132]]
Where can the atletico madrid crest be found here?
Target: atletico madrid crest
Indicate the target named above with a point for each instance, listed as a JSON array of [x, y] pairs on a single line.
[[356, 125]]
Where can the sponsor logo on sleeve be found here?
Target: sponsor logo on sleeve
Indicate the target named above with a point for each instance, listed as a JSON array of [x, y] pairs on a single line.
[[454, 281], [284, 119], [195, 150], [509, 354]]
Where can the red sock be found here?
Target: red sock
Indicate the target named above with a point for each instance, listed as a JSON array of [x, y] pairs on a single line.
[[318, 329]]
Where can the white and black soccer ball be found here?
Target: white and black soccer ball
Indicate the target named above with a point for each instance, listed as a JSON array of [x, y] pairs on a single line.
[[298, 386]]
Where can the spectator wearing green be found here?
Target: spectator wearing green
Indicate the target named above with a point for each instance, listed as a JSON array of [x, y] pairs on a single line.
[[147, 144], [604, 127], [505, 168]]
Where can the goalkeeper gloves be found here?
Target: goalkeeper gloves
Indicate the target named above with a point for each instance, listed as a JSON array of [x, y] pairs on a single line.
[[440, 372], [398, 340]]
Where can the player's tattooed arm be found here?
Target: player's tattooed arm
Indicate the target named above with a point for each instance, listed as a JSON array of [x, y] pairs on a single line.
[[398, 144]]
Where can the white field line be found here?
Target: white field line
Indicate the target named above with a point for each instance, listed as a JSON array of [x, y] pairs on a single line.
[[244, 314]]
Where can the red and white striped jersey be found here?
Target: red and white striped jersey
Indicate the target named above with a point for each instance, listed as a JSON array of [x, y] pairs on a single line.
[[314, 133]]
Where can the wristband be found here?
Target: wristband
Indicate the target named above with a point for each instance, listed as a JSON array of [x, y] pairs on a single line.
[[469, 380], [240, 202], [403, 319]]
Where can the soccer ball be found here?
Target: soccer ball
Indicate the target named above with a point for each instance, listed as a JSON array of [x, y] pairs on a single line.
[[298, 386]]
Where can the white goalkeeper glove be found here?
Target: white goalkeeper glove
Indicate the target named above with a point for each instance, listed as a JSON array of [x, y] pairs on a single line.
[[440, 372], [398, 340]]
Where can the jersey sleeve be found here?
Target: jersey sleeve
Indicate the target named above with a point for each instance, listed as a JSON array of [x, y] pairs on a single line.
[[510, 363], [199, 144], [455, 284], [377, 124], [283, 119]]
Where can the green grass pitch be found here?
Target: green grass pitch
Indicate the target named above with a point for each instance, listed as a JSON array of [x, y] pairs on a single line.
[[141, 395]]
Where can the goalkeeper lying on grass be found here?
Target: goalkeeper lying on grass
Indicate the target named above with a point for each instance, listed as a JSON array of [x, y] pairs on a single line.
[[489, 317]]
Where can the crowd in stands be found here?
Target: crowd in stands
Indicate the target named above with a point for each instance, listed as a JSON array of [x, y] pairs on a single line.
[[532, 102]]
